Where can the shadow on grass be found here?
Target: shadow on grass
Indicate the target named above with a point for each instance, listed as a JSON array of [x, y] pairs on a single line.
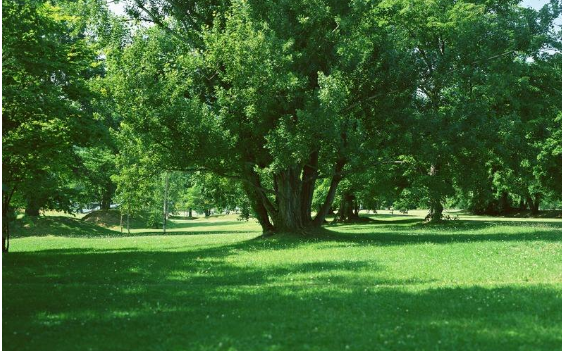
[[76, 228], [199, 300], [374, 232]]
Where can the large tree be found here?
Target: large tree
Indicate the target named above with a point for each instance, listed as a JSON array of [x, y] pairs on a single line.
[[270, 93], [46, 108]]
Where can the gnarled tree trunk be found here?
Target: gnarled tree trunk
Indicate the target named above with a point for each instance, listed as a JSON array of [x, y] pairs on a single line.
[[289, 209]]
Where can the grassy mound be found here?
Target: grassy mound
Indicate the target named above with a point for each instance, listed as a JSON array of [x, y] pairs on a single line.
[[104, 218], [56, 226]]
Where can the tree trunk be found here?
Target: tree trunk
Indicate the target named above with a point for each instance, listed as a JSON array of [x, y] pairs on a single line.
[[32, 207], [128, 222], [5, 234], [435, 206], [293, 190], [356, 209], [6, 217], [190, 212], [288, 217], [105, 203], [165, 206], [436, 211], [534, 204], [121, 220], [347, 211], [504, 205], [309, 176], [258, 199], [328, 202]]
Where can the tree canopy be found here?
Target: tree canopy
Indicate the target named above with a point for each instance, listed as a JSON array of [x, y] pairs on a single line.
[[294, 108]]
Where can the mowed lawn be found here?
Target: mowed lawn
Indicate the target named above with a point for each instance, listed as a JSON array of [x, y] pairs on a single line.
[[391, 284]]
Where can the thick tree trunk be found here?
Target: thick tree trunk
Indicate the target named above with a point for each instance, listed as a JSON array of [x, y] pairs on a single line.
[[190, 212], [436, 211], [293, 190], [309, 176], [534, 204], [288, 217], [32, 207]]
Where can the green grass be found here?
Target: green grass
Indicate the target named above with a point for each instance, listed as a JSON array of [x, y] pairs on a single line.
[[391, 284]]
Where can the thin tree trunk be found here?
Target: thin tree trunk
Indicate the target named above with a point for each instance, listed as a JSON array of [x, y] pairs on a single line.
[[128, 222], [7, 198], [327, 205], [121, 220]]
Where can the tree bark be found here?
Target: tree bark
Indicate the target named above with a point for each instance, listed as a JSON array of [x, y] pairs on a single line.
[[309, 177], [254, 191], [288, 217], [293, 189]]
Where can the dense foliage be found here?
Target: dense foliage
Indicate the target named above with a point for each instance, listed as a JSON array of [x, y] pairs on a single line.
[[293, 109]]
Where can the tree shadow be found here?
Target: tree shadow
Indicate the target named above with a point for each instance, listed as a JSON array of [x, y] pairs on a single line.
[[202, 300], [409, 237]]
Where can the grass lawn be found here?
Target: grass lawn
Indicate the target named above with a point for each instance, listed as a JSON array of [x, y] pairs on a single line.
[[390, 284]]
